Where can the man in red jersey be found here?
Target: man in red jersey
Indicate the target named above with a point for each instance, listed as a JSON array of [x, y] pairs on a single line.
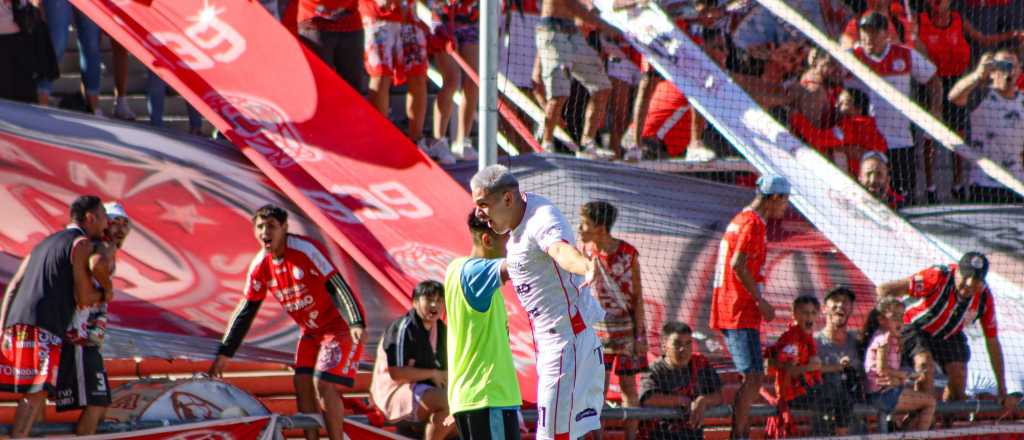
[[738, 305], [296, 271]]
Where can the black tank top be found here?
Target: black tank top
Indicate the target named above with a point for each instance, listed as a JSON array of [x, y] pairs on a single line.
[[46, 296]]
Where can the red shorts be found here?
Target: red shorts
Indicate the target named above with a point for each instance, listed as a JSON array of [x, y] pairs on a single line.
[[398, 50], [329, 356], [668, 118], [625, 364], [29, 361]]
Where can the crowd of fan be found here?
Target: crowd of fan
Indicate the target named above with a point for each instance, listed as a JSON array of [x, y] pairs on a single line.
[[959, 61], [889, 364]]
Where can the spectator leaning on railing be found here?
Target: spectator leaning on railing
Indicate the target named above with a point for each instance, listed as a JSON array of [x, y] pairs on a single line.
[[941, 301], [996, 108], [680, 379]]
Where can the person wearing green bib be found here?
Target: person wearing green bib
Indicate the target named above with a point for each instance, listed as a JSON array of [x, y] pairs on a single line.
[[483, 390]]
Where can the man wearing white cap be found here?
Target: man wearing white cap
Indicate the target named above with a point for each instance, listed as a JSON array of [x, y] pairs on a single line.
[[82, 378], [738, 305]]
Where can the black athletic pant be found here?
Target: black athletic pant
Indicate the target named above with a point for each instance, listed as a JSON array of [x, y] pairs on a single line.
[[488, 424]]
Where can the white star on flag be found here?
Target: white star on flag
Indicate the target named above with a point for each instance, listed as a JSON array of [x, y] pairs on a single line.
[[167, 171], [186, 216]]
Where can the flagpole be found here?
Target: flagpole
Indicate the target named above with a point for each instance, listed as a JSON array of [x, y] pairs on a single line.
[[488, 142]]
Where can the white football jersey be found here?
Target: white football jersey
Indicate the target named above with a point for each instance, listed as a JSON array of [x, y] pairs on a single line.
[[550, 295]]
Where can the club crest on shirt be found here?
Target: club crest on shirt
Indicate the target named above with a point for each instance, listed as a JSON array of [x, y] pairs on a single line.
[[899, 65]]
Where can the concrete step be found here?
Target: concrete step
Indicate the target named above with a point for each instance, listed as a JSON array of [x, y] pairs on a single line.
[[69, 83], [69, 63], [174, 105]]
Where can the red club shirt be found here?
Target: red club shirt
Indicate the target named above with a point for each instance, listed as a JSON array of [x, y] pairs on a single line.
[[797, 347], [327, 15], [732, 306], [947, 47], [613, 287], [298, 281]]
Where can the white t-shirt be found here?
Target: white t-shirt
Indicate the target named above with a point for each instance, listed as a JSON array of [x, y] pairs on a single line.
[[549, 294], [997, 132], [897, 65]]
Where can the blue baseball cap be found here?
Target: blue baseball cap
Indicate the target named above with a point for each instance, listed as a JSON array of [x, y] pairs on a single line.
[[770, 184]]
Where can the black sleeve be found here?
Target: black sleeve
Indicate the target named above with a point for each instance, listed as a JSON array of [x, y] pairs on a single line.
[[651, 382], [345, 301], [708, 381], [390, 340], [238, 326]]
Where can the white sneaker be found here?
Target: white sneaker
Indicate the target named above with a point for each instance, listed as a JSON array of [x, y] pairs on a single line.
[[122, 110], [440, 152], [698, 152], [468, 152], [632, 155], [548, 147], [604, 154], [588, 149]]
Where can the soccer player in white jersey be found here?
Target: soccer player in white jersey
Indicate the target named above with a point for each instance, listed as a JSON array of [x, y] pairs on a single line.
[[544, 266]]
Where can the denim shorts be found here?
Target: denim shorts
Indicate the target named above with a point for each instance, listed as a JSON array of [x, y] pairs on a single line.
[[886, 400], [744, 345]]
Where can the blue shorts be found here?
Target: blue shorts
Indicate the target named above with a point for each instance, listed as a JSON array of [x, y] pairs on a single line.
[[886, 400], [744, 345]]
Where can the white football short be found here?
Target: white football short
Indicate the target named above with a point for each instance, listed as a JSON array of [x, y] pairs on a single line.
[[570, 384]]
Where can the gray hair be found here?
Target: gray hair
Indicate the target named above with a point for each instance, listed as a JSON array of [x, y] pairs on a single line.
[[494, 178]]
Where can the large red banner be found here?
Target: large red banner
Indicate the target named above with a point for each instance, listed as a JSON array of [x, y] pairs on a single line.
[[372, 191], [183, 266]]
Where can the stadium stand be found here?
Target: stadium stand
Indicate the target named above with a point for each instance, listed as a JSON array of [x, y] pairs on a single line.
[[793, 88]]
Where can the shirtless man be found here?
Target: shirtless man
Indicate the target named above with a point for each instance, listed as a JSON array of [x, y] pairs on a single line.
[[562, 51]]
